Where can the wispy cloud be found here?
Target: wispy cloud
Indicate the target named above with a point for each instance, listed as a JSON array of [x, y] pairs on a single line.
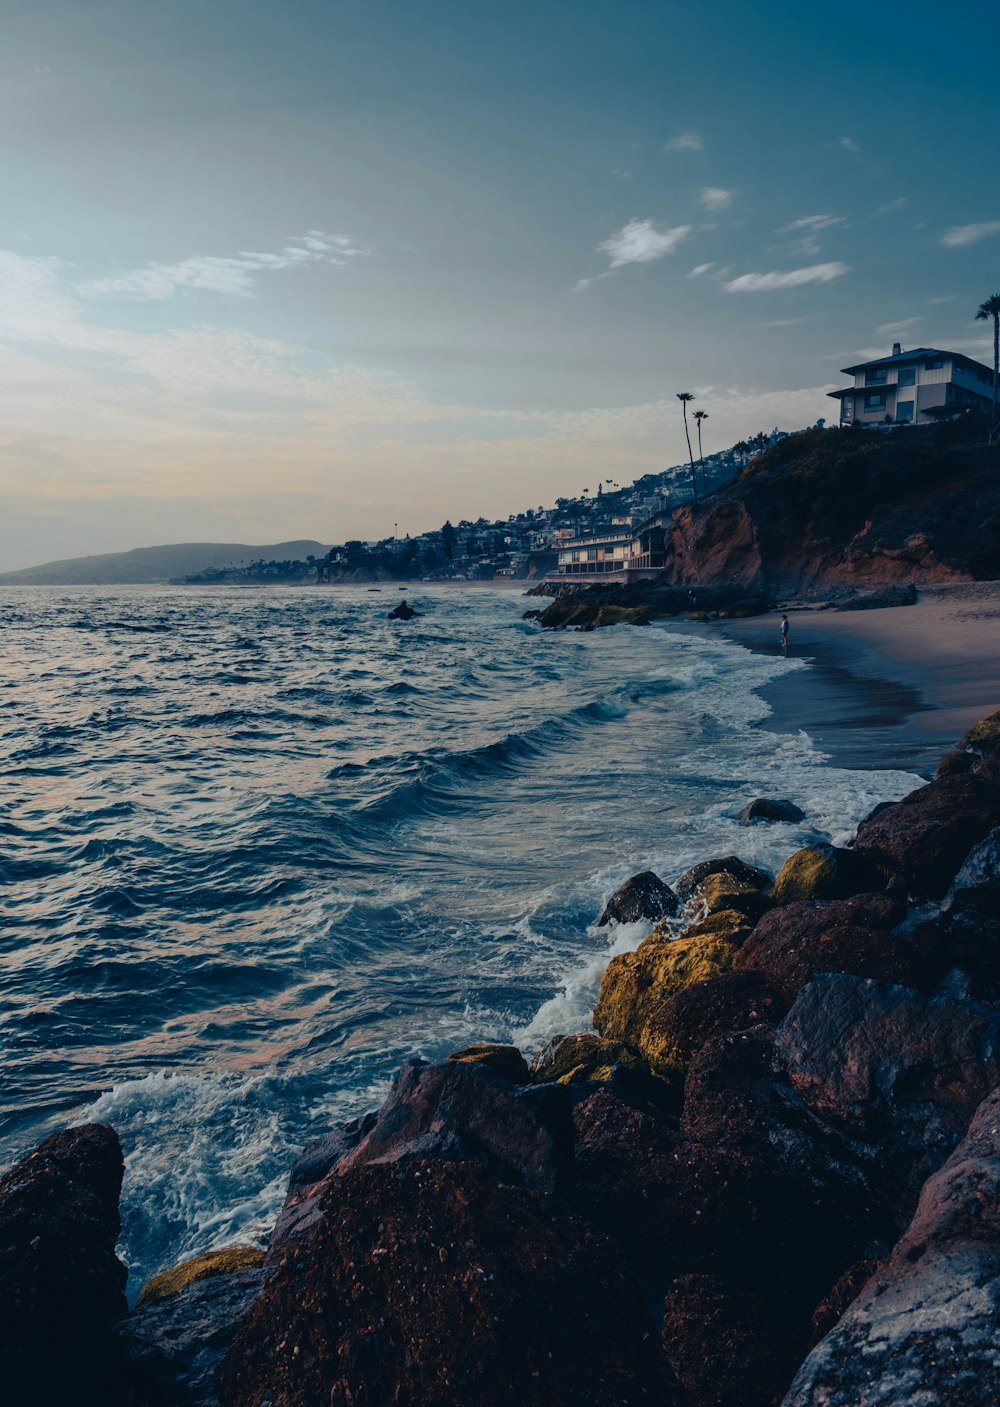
[[789, 278], [700, 269], [849, 144], [906, 325], [784, 322], [715, 198], [891, 205], [812, 223], [687, 141], [970, 234], [230, 274], [640, 242]]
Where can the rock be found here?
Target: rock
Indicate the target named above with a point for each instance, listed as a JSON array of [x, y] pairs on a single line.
[[982, 742], [229, 1261], [466, 1113], [61, 1284], [172, 1345], [796, 941], [403, 612], [765, 809], [721, 892], [730, 925], [571, 1059], [429, 1284], [696, 1014], [923, 1331], [642, 896], [900, 1071], [504, 1060], [902, 595], [827, 872], [636, 983], [731, 865], [924, 838], [726, 1347], [833, 1306]]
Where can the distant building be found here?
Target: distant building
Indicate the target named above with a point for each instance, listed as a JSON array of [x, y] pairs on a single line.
[[616, 556], [916, 387]]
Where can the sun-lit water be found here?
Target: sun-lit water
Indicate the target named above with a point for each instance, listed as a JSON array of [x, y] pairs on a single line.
[[256, 848]]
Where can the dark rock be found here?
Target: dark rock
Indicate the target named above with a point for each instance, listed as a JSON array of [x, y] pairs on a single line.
[[721, 892], [172, 1345], [695, 877], [308, 1178], [504, 1060], [922, 1333], [765, 809], [827, 872], [901, 1071], [231, 1260], [726, 1347], [730, 925], [833, 1306], [696, 1014], [61, 1284], [583, 1057], [924, 838], [466, 1113], [427, 1284], [642, 896], [982, 743], [902, 595], [403, 612], [636, 983], [795, 942]]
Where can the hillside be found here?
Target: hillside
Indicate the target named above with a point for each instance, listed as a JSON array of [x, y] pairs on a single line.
[[154, 564]]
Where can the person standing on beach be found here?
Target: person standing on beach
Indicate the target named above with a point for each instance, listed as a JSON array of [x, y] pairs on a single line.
[[784, 633]]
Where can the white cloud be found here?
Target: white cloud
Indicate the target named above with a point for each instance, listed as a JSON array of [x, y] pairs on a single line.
[[640, 242], [812, 223], [784, 322], [891, 205], [850, 145], [700, 269], [970, 234], [790, 278], [906, 325], [687, 141], [229, 274], [714, 198]]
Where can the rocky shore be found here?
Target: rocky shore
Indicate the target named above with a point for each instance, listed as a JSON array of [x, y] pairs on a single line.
[[769, 1175]]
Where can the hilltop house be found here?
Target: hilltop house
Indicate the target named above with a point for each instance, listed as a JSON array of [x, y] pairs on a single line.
[[916, 387], [617, 557]]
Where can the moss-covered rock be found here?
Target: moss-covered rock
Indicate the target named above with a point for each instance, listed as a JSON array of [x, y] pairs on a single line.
[[729, 924], [827, 872], [569, 1060], [636, 983], [504, 1060], [692, 879], [692, 1017], [230, 1261], [721, 892]]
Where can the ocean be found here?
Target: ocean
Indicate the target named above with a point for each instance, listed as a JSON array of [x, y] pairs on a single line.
[[259, 847]]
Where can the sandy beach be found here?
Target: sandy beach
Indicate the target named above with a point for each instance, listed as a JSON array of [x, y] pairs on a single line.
[[889, 688]]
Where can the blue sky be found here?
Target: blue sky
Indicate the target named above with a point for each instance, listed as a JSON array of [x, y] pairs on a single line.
[[275, 271]]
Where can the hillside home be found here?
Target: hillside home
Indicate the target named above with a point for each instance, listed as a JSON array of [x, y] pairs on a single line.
[[916, 387], [628, 556]]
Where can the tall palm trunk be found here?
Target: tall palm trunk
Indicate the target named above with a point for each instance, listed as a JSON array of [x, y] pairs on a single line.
[[684, 397], [996, 371], [701, 461]]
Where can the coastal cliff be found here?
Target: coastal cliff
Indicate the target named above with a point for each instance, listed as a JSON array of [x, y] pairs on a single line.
[[771, 1168]]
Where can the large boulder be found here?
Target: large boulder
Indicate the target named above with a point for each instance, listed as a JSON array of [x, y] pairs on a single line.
[[583, 1057], [924, 838], [970, 917], [900, 1071], [504, 1060], [692, 880], [61, 1284], [923, 1331], [644, 896], [765, 808], [430, 1285], [721, 893], [826, 872], [796, 941], [636, 983], [692, 1017]]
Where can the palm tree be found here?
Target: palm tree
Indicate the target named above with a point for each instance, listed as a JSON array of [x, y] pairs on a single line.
[[699, 416], [684, 397], [987, 310]]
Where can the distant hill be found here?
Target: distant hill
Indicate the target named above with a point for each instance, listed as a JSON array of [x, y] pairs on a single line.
[[155, 564]]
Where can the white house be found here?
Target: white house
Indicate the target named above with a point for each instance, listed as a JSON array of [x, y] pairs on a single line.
[[916, 387]]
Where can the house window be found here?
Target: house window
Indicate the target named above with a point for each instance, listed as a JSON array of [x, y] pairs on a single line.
[[574, 556], [935, 365], [908, 376], [876, 378], [591, 554], [904, 411], [875, 402]]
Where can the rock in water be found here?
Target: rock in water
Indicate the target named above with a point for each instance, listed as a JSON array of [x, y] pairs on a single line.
[[923, 1331], [766, 809], [504, 1060], [61, 1284], [635, 984], [643, 896], [402, 612], [827, 872], [430, 1285], [692, 879]]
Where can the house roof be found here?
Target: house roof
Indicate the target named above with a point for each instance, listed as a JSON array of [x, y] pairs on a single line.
[[916, 354]]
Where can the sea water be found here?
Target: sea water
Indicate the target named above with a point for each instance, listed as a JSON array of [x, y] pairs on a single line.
[[259, 847]]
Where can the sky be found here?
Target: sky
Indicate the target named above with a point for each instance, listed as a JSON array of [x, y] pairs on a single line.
[[273, 271]]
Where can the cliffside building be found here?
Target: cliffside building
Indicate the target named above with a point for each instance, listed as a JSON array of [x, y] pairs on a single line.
[[914, 388], [615, 557]]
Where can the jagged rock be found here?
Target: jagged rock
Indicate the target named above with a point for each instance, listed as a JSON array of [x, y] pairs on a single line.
[[727, 1347], [923, 1331], [833, 1306], [738, 869], [61, 1284], [901, 1071], [643, 896], [982, 742], [903, 595], [636, 983], [172, 1345], [572, 1059], [504, 1060], [466, 1113], [721, 892], [730, 925], [796, 941], [429, 1284], [692, 1017], [827, 872], [229, 1261], [924, 838], [767, 809]]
